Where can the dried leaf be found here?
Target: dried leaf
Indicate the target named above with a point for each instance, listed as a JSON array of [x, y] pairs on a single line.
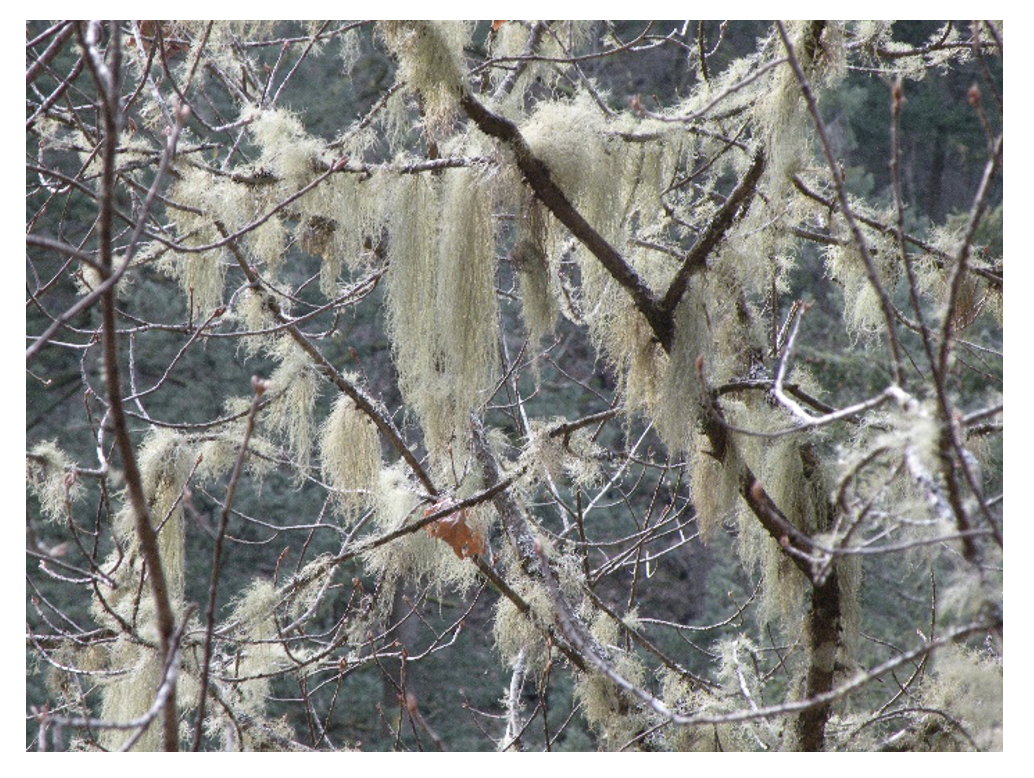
[[453, 529]]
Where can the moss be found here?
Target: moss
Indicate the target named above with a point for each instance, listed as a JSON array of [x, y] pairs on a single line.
[[714, 486]]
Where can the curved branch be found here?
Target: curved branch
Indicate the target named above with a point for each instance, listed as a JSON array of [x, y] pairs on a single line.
[[538, 177]]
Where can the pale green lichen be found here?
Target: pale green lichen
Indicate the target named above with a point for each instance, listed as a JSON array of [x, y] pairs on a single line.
[[609, 711], [519, 634], [442, 314], [287, 150], [129, 696], [431, 63], [51, 478], [560, 40], [201, 274], [166, 459], [259, 652], [846, 265], [294, 386], [350, 455], [416, 556], [538, 278], [969, 687], [714, 486]]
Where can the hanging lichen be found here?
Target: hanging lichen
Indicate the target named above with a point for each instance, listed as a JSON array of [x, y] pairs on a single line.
[[415, 556], [258, 653], [350, 455], [51, 478], [294, 386], [609, 711], [165, 459], [431, 63], [441, 301], [538, 280]]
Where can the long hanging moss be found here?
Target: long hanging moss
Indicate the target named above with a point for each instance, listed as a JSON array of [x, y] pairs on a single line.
[[441, 300], [165, 463], [350, 454]]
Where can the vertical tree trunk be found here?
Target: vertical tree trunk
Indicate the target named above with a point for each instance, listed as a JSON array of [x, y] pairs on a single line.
[[824, 634]]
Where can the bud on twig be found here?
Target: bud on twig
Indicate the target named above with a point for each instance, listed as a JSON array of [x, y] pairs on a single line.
[[259, 385], [974, 96]]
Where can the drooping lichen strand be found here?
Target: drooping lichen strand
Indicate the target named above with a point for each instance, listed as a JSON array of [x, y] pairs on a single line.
[[441, 300], [680, 396], [201, 275], [613, 181], [288, 152], [252, 621], [350, 455], [466, 290], [51, 477], [416, 556], [536, 274], [165, 460], [844, 263], [431, 63], [128, 696], [511, 40], [778, 465], [295, 386]]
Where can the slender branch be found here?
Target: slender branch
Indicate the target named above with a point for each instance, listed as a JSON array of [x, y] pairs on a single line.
[[538, 177], [49, 53], [737, 204], [845, 207], [259, 387], [107, 88]]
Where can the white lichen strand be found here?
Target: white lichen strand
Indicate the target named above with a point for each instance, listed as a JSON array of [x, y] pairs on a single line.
[[294, 387], [51, 478], [442, 314], [350, 455], [415, 557], [431, 64]]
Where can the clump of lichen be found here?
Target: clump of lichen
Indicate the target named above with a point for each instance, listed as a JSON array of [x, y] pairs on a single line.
[[294, 386], [51, 478], [431, 63], [350, 454], [442, 314]]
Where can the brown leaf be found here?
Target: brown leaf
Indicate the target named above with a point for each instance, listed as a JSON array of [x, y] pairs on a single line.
[[453, 529]]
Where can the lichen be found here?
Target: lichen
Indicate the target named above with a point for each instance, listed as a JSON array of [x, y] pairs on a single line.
[[51, 478], [350, 455], [442, 276]]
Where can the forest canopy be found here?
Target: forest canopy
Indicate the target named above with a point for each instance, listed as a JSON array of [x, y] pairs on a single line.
[[514, 385]]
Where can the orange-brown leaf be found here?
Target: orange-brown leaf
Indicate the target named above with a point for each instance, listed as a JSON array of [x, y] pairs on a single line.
[[454, 530]]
